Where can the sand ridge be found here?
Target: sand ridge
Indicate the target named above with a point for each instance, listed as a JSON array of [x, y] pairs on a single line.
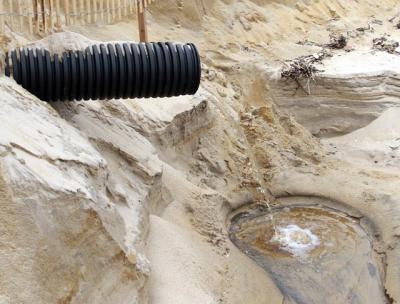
[[140, 192]]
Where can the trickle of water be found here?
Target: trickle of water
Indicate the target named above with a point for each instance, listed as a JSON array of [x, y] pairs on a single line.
[[271, 216]]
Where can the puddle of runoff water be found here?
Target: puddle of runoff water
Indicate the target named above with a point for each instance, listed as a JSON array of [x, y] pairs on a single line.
[[314, 255]]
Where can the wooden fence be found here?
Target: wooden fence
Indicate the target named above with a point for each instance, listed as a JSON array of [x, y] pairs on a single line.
[[43, 16]]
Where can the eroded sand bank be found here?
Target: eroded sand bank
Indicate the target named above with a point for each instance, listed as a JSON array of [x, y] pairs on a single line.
[[129, 201]]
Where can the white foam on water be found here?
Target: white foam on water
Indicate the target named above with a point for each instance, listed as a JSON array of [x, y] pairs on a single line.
[[296, 240]]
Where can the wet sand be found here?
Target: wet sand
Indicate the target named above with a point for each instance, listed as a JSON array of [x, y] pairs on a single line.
[[314, 254]]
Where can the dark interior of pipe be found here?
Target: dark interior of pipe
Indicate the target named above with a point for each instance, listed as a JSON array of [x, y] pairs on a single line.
[[109, 71]]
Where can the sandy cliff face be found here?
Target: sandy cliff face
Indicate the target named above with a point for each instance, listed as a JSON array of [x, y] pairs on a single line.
[[62, 235], [352, 89], [130, 201]]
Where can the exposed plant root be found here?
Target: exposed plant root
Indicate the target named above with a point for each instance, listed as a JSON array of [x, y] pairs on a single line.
[[304, 68]]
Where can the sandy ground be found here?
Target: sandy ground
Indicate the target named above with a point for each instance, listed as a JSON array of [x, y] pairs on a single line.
[[132, 199]]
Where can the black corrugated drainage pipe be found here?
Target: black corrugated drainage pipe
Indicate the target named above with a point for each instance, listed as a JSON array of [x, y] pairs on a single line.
[[109, 71]]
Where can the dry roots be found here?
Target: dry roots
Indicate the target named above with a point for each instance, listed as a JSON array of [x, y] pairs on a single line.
[[337, 42], [303, 68], [383, 44]]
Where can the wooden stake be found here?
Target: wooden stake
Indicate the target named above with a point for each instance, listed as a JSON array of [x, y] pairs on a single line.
[[112, 9], [2, 20], [119, 9], [51, 14], [101, 11], [142, 21], [125, 13], [36, 16], [108, 11], [58, 16], [89, 19], [21, 16], [44, 21], [11, 15], [74, 13], [82, 12], [30, 17], [95, 8], [135, 5], [129, 6], [66, 12]]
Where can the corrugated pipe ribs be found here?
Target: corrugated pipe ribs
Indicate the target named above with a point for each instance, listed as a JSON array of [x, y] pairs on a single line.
[[126, 70]]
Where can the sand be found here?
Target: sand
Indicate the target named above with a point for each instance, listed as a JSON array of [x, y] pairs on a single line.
[[131, 201]]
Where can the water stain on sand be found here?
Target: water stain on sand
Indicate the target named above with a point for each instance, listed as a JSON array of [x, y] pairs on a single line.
[[314, 254]]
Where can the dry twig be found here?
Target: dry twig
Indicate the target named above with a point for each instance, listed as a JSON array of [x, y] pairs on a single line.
[[304, 68], [383, 44], [337, 41]]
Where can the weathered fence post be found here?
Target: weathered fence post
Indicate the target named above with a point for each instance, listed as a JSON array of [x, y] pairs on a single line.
[[132, 6], [82, 13], [74, 12], [66, 12], [58, 16], [11, 15], [36, 16], [51, 14], [112, 9], [142, 21], [20, 16], [101, 8], [29, 10], [95, 10], [43, 16], [125, 10], [108, 4], [119, 9], [88, 11], [2, 17]]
